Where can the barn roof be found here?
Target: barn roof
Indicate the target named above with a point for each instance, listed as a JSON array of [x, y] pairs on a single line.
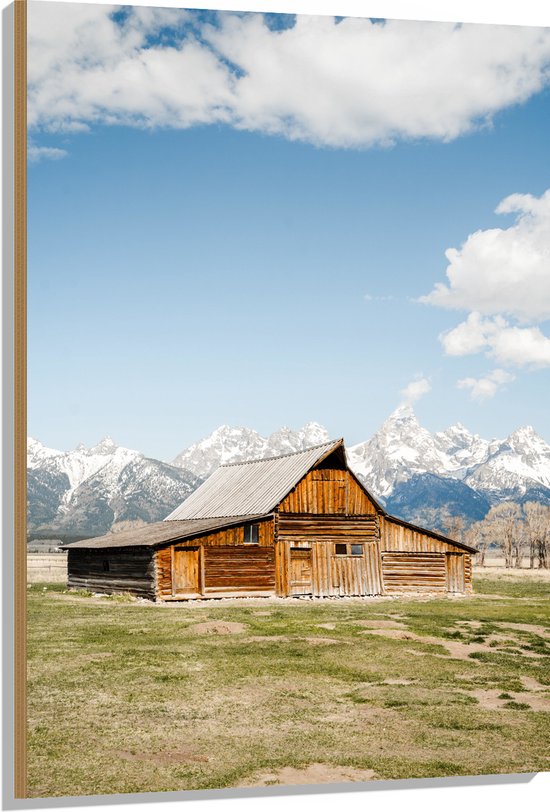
[[255, 486], [153, 535]]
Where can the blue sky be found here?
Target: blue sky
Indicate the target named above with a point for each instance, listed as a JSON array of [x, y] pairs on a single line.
[[255, 274]]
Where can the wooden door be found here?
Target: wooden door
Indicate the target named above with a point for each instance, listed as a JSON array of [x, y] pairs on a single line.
[[300, 575], [455, 572], [186, 571]]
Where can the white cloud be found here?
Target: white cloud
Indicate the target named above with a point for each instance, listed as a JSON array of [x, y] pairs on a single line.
[[484, 388], [518, 346], [416, 389], [509, 345], [36, 154], [351, 84], [503, 277], [503, 270]]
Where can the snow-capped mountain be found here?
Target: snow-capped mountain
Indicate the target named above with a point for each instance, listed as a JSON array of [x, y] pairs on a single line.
[[418, 475], [235, 444], [398, 450], [402, 449], [86, 490]]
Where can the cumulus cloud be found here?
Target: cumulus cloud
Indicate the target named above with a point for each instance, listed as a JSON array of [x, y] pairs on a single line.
[[354, 83], [486, 387], [503, 270], [503, 277], [509, 345], [416, 389]]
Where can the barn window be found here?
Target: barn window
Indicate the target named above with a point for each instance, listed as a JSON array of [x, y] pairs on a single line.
[[341, 549], [251, 534], [357, 549], [105, 565]]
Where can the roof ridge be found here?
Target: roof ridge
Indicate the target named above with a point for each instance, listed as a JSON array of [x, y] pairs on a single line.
[[282, 456]]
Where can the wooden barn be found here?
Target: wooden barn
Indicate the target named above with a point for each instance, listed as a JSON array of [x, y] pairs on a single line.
[[296, 525]]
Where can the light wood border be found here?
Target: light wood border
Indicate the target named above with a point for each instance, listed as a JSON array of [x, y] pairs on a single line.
[[20, 396]]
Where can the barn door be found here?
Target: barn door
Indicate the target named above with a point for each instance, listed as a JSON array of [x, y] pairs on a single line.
[[455, 572], [185, 571], [300, 575]]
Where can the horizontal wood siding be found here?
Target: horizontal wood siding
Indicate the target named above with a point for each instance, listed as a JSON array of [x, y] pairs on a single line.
[[230, 540], [328, 491], [129, 570], [414, 572], [293, 527], [241, 569]]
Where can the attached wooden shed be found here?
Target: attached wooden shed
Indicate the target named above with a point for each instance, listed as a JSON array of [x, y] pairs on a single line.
[[296, 525]]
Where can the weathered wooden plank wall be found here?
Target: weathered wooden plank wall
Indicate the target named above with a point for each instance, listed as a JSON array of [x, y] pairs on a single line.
[[395, 536], [328, 491], [307, 526], [230, 542], [414, 572], [242, 569], [129, 569], [332, 574]]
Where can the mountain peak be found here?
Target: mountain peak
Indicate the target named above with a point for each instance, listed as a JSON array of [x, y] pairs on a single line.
[[403, 412], [106, 446]]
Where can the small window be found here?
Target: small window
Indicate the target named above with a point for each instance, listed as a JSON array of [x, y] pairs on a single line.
[[251, 534], [341, 549], [105, 565], [357, 549]]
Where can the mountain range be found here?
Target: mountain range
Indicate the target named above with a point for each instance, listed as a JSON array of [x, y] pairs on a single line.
[[420, 476]]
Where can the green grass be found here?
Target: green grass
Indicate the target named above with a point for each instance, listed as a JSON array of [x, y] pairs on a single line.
[[126, 697]]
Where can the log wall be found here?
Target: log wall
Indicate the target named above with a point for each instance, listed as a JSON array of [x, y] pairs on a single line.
[[414, 572], [130, 569], [243, 569]]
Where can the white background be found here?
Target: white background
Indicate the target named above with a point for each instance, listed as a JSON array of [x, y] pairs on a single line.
[[534, 795]]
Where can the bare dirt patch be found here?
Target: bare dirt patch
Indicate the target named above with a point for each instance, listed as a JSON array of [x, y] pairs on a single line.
[[533, 684], [218, 627], [329, 626], [491, 699], [399, 682], [542, 631], [457, 650], [313, 774]]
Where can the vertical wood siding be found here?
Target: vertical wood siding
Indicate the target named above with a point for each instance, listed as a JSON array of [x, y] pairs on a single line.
[[395, 536], [328, 491], [331, 574]]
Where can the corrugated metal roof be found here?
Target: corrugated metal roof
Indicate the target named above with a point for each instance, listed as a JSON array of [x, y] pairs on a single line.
[[256, 486], [158, 533]]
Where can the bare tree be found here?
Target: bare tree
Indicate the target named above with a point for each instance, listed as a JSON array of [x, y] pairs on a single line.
[[476, 536], [537, 524], [454, 527], [503, 525]]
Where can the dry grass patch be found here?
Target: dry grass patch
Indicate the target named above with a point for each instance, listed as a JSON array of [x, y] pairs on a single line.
[[115, 690]]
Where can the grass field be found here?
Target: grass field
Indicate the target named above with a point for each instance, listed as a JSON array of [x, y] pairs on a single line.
[[127, 696]]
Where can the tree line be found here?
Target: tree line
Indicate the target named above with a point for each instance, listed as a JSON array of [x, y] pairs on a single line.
[[518, 531]]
